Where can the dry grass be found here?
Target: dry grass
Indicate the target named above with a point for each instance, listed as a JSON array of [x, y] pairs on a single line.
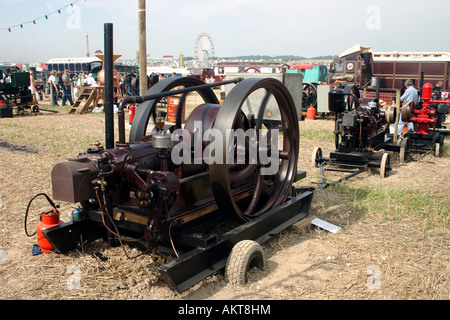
[[410, 251]]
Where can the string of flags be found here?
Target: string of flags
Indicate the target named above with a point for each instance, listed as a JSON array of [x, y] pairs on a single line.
[[46, 17]]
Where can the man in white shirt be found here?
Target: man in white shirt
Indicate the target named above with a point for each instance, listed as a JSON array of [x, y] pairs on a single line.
[[90, 81], [410, 94], [53, 86]]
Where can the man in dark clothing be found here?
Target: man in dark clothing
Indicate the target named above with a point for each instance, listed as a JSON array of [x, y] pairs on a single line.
[[437, 89], [67, 88]]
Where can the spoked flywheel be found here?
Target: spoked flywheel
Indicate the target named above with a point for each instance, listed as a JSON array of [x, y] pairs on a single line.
[[266, 160], [148, 109]]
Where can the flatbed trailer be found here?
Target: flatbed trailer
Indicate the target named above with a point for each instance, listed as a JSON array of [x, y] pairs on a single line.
[[197, 252]]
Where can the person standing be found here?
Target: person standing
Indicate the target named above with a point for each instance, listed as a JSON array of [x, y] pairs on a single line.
[[83, 79], [53, 86], [437, 89], [7, 76], [32, 87], [76, 80], [67, 88], [410, 94], [90, 81]]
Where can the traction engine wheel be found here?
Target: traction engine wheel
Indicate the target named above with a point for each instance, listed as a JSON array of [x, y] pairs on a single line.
[[309, 96]]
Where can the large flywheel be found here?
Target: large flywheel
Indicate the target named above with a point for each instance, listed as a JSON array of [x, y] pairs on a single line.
[[147, 111], [265, 107]]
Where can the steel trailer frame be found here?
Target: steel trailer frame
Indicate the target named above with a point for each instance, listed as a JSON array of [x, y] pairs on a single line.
[[194, 266], [203, 253], [421, 144], [352, 163]]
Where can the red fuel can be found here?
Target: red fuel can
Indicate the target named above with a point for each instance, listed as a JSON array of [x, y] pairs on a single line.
[[311, 113]]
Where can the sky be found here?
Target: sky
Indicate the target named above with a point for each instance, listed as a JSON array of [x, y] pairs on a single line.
[[236, 27]]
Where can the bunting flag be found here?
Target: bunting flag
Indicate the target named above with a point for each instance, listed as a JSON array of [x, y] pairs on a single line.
[[46, 17]]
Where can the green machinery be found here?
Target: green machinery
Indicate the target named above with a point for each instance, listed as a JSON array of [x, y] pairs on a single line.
[[312, 76], [17, 95]]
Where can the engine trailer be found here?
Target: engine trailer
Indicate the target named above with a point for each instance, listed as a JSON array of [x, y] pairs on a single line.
[[190, 189], [361, 130]]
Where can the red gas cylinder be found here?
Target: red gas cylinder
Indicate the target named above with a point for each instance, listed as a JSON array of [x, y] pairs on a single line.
[[311, 113], [2, 104], [49, 219], [427, 92], [131, 111]]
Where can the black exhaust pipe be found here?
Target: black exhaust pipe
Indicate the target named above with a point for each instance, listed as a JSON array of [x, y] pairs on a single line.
[[109, 118], [109, 87], [378, 89]]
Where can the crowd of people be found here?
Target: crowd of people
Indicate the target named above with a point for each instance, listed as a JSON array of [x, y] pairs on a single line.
[[70, 87]]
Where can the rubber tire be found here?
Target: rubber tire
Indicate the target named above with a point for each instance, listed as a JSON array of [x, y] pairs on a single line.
[[245, 255]]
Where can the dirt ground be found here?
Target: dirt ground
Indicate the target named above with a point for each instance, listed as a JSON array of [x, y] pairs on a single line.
[[372, 257]]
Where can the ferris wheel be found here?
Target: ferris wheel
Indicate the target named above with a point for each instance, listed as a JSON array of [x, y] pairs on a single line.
[[204, 47]]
